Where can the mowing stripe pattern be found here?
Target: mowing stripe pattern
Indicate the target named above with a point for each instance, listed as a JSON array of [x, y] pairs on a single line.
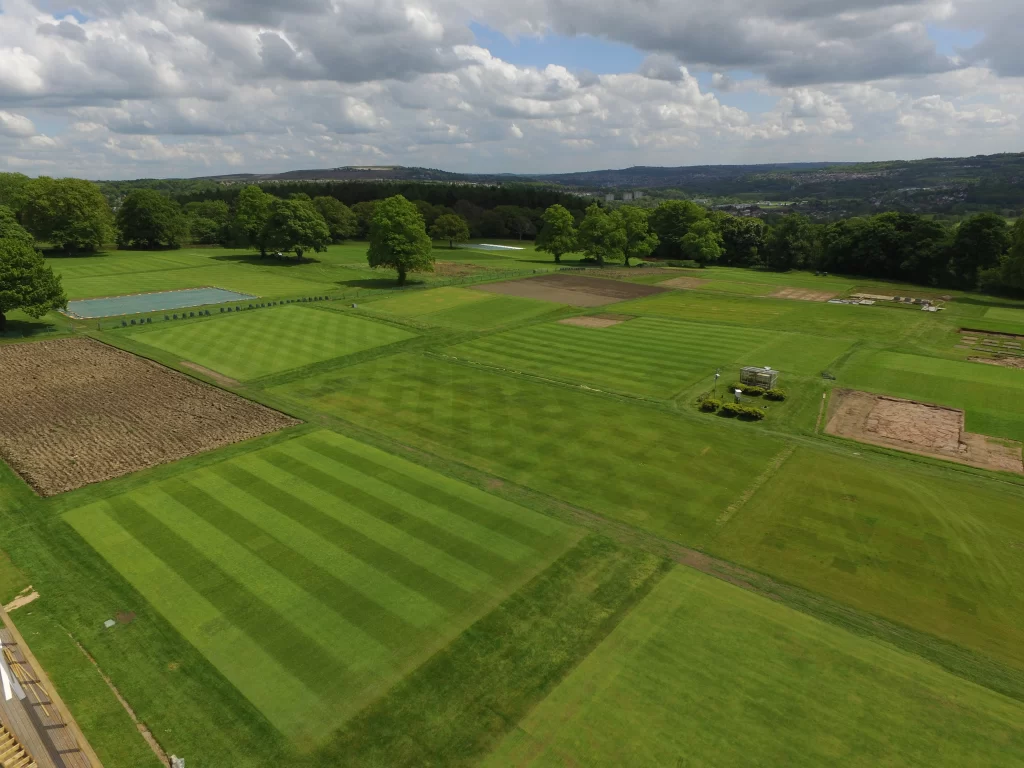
[[256, 344], [648, 356], [314, 573]]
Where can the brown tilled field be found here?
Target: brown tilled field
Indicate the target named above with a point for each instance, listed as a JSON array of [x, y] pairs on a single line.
[[77, 412], [802, 294], [574, 290], [684, 282], [921, 428]]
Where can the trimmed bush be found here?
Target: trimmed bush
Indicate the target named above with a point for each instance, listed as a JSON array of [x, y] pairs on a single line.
[[710, 405], [745, 412], [731, 409], [775, 394]]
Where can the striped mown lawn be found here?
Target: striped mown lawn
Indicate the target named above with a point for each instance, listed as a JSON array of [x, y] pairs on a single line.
[[255, 344], [462, 308], [315, 573], [650, 356]]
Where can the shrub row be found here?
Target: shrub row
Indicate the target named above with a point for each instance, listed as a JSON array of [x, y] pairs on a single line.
[[747, 412], [755, 391], [775, 394]]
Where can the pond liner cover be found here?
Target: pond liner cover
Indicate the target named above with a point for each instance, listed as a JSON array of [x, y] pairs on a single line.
[[137, 303]]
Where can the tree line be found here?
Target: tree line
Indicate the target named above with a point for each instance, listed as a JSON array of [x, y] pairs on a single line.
[[982, 252]]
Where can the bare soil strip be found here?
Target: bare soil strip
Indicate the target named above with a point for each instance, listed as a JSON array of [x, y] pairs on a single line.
[[590, 322], [1005, 362], [220, 378], [802, 294], [920, 428], [574, 290], [27, 596], [76, 411], [980, 332], [683, 282]]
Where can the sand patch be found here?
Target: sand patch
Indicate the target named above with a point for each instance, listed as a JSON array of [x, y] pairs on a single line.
[[921, 428], [684, 282], [1003, 362], [76, 411], [590, 322], [25, 597], [802, 294]]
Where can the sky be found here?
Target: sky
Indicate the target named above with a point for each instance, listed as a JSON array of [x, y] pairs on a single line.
[[111, 89]]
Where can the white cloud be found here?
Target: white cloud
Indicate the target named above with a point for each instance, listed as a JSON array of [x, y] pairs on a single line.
[[177, 87]]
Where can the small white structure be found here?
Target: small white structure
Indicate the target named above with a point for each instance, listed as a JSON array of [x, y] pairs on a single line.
[[609, 198], [627, 196]]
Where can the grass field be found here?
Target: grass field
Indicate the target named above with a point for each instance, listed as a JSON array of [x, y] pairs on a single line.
[[703, 673], [314, 573], [649, 356], [482, 545], [928, 548], [260, 343]]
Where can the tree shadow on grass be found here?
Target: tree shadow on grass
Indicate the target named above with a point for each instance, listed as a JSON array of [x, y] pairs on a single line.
[[382, 283], [265, 261], [20, 328], [995, 301]]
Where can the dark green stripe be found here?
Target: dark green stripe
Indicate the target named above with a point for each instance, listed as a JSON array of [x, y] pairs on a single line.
[[464, 508], [356, 608], [277, 636], [417, 578], [437, 537]]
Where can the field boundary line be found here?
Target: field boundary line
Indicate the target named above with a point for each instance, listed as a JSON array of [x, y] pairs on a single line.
[[773, 466], [143, 729]]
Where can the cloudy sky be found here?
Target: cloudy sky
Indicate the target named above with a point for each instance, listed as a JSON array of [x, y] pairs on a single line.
[[132, 88]]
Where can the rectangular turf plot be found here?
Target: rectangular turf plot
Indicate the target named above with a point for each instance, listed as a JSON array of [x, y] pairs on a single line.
[[151, 302], [77, 412], [704, 673], [574, 290], [315, 573], [253, 344], [931, 548]]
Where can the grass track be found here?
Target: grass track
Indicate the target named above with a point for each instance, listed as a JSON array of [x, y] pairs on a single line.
[[270, 341], [703, 673], [314, 573]]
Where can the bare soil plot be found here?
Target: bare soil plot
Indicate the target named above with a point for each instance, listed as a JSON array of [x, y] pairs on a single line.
[[456, 269], [802, 294], [684, 282], [76, 411], [1003, 362], [590, 322], [921, 428], [574, 290]]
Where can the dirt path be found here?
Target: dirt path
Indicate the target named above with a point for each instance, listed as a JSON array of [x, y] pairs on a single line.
[[28, 595], [774, 466]]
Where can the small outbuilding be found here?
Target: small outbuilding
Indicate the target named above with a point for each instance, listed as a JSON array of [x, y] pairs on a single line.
[[759, 377]]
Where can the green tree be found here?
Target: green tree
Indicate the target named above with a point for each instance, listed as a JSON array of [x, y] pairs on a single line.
[[792, 243], [602, 235], [296, 225], [364, 215], [342, 223], [71, 214], [558, 236], [978, 244], [14, 191], [640, 241], [671, 222], [26, 282], [252, 213], [1011, 271], [450, 227], [743, 239], [398, 238], [10, 229], [148, 219]]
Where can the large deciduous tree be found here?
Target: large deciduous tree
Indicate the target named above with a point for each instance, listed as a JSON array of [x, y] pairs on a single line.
[[252, 212], [743, 239], [672, 221], [341, 221], [602, 235], [26, 282], [558, 236], [10, 229], [979, 244], [148, 219], [398, 238], [792, 243], [296, 225], [450, 227], [208, 222], [703, 243], [14, 191], [71, 214], [640, 241]]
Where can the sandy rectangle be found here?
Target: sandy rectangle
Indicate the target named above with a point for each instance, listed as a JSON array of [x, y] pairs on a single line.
[[684, 282], [574, 290], [921, 428], [802, 294], [590, 322], [76, 411]]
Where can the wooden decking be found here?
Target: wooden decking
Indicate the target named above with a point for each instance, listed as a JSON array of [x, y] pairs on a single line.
[[12, 754]]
